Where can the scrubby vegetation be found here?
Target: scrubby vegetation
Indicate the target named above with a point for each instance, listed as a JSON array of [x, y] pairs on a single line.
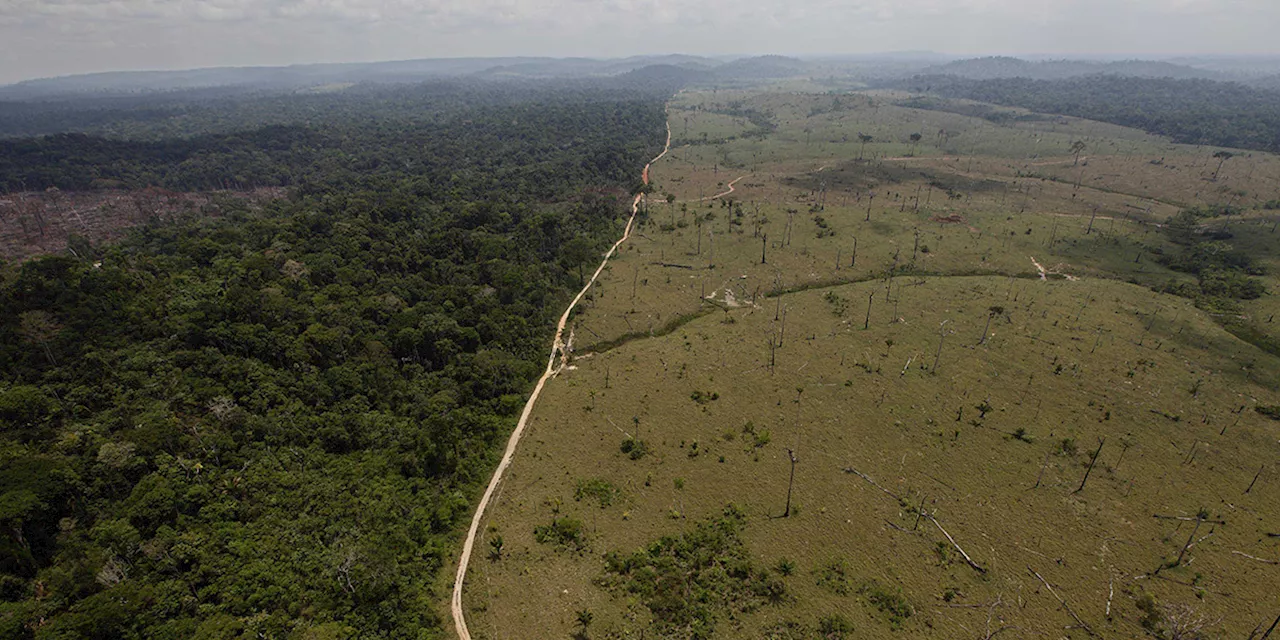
[[692, 581]]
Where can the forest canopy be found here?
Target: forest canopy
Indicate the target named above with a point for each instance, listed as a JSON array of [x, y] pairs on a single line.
[[271, 423], [1189, 111]]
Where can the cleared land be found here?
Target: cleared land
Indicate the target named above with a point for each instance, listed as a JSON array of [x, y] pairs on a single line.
[[945, 388]]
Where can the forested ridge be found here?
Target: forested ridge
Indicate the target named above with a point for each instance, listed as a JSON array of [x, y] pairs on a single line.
[[1188, 111], [270, 424]]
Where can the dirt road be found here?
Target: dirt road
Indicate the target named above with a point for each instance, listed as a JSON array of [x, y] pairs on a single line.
[[716, 196], [557, 347]]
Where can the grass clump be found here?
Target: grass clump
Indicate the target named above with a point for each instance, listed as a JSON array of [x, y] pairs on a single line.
[[890, 603], [833, 575], [758, 437], [834, 627], [598, 489], [688, 582], [1270, 411], [703, 397], [567, 533], [788, 630]]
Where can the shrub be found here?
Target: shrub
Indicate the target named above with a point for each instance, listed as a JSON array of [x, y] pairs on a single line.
[[562, 532], [888, 602], [634, 448], [834, 627], [833, 576], [1270, 411], [688, 582]]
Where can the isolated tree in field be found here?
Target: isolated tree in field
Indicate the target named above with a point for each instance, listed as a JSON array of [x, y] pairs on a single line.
[[864, 138], [1223, 157], [992, 312], [1077, 148], [915, 142]]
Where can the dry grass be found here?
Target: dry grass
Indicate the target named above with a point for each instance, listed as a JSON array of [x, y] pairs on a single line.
[[1063, 360]]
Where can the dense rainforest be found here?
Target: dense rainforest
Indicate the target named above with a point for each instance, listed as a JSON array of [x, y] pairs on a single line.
[[272, 423], [1189, 111]]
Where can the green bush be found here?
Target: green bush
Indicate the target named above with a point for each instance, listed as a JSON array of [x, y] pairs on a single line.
[[833, 576], [834, 627], [634, 448], [562, 532], [890, 603], [690, 581]]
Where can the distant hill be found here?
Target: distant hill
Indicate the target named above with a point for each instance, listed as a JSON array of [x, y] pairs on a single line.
[[290, 77], [585, 67], [994, 68], [762, 68], [299, 77]]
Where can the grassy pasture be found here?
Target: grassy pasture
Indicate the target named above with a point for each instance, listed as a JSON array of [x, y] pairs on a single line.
[[674, 350]]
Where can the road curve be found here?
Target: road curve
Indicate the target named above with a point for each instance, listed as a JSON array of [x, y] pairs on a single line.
[[557, 346], [718, 195]]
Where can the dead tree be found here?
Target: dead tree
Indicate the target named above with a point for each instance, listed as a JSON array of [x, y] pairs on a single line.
[[790, 483], [1255, 479], [992, 312], [942, 335], [1272, 628], [1092, 461]]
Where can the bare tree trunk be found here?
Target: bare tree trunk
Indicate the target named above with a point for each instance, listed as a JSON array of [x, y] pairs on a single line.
[[1092, 462], [790, 483], [985, 328], [1255, 479]]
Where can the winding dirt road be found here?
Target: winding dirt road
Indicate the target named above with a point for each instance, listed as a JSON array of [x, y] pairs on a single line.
[[557, 348], [708, 198]]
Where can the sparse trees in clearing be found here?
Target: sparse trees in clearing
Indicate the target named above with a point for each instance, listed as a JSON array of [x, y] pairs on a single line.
[[1077, 148], [864, 139], [1223, 157]]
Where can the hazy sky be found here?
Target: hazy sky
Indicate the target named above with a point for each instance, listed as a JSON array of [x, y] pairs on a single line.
[[41, 38]]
